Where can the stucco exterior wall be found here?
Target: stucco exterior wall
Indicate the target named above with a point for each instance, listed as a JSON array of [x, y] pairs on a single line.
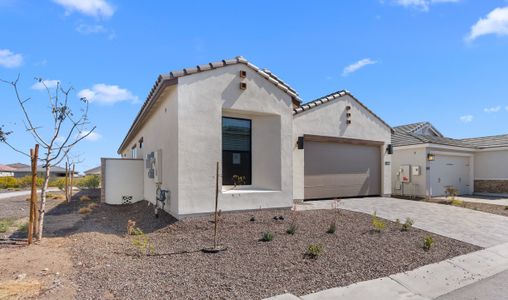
[[491, 165], [122, 178], [413, 157], [329, 119], [161, 132], [203, 99]]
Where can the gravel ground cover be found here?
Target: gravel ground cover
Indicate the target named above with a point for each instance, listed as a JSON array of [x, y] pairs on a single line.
[[485, 207], [109, 266]]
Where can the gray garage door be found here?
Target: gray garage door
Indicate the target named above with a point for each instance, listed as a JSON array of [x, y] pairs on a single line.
[[341, 170]]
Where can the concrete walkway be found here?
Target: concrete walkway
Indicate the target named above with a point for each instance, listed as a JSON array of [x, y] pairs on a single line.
[[478, 275], [474, 227], [481, 199], [22, 193]]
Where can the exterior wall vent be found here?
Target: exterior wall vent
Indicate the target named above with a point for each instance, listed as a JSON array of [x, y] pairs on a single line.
[[348, 122], [243, 74], [243, 85]]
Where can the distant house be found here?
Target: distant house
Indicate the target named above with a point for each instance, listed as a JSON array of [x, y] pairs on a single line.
[[6, 171], [22, 170], [425, 162], [94, 171]]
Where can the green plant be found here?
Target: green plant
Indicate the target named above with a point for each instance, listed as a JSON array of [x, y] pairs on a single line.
[[333, 227], [428, 241], [8, 183], [377, 224], [292, 229], [142, 242], [58, 182], [23, 227], [5, 224], [451, 192], [314, 250], [239, 180], [267, 236], [397, 222], [456, 202], [89, 181], [407, 225]]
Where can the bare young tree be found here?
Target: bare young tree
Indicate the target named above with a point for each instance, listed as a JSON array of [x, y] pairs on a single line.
[[64, 130]]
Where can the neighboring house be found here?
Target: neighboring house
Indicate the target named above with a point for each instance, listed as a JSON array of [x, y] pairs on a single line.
[[253, 124], [22, 170], [425, 162], [6, 171], [94, 171]]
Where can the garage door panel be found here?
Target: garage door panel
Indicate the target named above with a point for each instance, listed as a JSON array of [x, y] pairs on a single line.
[[341, 170], [449, 170]]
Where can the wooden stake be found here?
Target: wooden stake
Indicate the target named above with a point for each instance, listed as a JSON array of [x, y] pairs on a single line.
[[72, 181], [32, 224], [216, 206], [66, 191]]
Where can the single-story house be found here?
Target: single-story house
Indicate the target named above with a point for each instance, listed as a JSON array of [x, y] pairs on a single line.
[[425, 163], [94, 171], [271, 149], [6, 171], [22, 170]]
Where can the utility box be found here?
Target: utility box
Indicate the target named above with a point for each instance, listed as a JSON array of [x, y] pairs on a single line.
[[158, 166], [405, 174], [416, 171]]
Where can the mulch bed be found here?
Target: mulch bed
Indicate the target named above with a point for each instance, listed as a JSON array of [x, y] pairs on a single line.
[[485, 207], [108, 265]]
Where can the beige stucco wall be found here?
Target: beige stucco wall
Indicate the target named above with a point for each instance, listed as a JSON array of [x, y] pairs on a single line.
[[413, 157], [203, 99], [161, 132], [123, 177], [329, 119], [491, 165]]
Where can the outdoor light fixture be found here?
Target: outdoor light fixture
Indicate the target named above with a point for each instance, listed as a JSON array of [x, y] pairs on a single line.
[[431, 157], [389, 149], [300, 142]]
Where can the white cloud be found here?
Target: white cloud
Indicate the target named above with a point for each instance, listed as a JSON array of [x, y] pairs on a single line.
[[423, 5], [45, 83], [493, 109], [94, 8], [107, 94], [92, 136], [466, 118], [9, 59], [90, 29], [357, 66], [496, 22]]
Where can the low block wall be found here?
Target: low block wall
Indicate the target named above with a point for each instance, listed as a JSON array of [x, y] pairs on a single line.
[[122, 180], [491, 186]]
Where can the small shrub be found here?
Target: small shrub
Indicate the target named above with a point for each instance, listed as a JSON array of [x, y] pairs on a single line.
[[85, 210], [239, 180], [451, 192], [84, 198], [142, 242], [397, 222], [92, 205], [267, 236], [332, 228], [428, 241], [377, 224], [89, 181], [408, 224], [8, 183], [314, 250], [292, 229], [458, 203], [23, 227], [58, 182], [5, 224]]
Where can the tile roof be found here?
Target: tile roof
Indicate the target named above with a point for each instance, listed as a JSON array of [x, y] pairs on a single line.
[[173, 75], [333, 96], [405, 135], [488, 141], [54, 169], [18, 165], [93, 170], [4, 168]]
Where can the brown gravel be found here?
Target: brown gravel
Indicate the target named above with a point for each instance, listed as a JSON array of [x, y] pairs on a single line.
[[108, 267], [485, 207]]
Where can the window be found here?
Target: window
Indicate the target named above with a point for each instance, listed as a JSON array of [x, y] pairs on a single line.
[[134, 152], [236, 150]]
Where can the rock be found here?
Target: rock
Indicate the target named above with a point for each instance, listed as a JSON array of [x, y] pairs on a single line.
[[21, 276], [45, 269]]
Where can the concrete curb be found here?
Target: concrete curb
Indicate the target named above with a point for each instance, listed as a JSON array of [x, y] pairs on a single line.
[[427, 282]]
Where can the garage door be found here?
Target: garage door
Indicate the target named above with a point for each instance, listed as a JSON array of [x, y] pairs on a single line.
[[447, 170], [341, 170]]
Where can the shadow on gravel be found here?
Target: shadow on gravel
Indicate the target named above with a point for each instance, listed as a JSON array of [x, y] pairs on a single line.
[[65, 218]]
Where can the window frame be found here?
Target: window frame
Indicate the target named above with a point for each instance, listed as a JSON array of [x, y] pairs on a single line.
[[249, 179]]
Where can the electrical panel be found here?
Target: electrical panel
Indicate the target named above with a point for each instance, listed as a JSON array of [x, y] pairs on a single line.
[[416, 171], [405, 174]]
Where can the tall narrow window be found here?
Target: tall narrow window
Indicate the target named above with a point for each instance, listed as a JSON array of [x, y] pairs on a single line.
[[134, 152], [236, 151]]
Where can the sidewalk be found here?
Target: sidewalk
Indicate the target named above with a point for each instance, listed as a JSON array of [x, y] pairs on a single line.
[[427, 282], [22, 193]]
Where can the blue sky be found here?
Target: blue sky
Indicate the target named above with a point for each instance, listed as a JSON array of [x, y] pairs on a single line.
[[443, 61]]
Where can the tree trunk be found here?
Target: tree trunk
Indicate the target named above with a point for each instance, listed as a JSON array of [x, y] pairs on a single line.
[[42, 211]]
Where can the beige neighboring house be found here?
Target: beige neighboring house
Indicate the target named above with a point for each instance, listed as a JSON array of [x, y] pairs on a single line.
[[6, 171], [94, 171], [271, 149], [22, 170], [425, 163]]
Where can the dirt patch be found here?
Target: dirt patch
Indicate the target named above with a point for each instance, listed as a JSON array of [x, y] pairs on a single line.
[[43, 270], [249, 269], [484, 207]]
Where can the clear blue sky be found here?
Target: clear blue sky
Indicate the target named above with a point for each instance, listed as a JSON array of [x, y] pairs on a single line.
[[443, 61]]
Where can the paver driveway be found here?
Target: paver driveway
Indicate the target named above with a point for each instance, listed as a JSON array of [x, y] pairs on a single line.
[[475, 227]]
